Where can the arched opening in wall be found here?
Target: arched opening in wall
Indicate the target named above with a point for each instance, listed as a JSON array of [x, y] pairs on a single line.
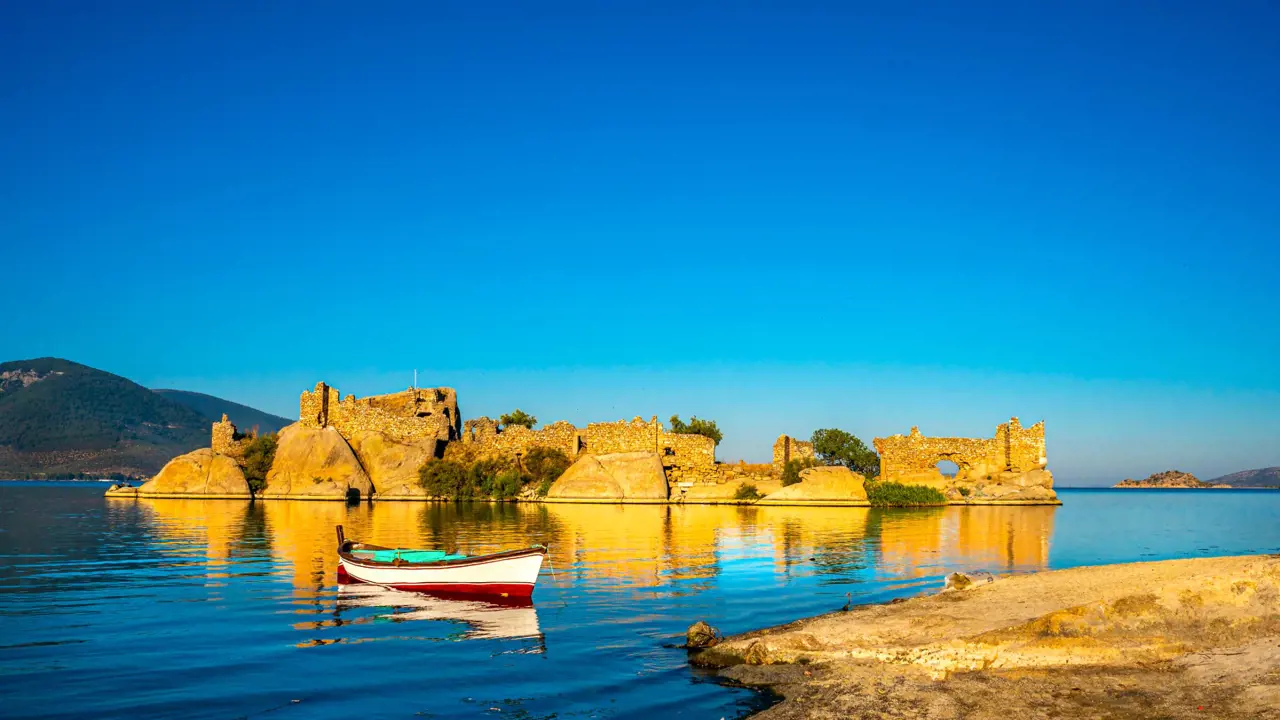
[[948, 468], [353, 496]]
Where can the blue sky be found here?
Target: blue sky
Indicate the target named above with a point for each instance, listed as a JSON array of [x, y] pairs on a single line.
[[782, 216]]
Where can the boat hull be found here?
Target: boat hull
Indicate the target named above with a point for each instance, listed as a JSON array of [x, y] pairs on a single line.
[[511, 576]]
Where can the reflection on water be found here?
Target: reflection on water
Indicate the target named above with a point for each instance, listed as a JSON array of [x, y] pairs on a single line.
[[482, 619], [631, 546], [236, 604]]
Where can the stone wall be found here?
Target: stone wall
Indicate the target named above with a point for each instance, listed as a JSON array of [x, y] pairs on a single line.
[[409, 416], [787, 448], [224, 440], [685, 458], [1013, 449], [484, 437]]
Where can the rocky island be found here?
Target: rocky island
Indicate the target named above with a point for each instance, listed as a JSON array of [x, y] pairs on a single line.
[[1168, 479], [414, 445], [1173, 639]]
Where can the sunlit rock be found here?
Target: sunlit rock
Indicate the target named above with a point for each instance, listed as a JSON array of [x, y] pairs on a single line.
[[619, 476]]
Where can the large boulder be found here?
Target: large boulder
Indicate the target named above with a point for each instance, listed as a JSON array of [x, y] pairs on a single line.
[[1007, 487], [618, 476], [392, 466], [822, 485], [315, 464], [200, 473]]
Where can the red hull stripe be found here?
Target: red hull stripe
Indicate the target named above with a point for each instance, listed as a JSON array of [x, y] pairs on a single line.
[[501, 589]]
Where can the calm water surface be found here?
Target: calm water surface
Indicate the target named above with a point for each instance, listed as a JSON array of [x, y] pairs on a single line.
[[223, 609]]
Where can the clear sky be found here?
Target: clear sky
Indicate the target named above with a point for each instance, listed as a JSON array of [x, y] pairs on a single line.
[[781, 216]]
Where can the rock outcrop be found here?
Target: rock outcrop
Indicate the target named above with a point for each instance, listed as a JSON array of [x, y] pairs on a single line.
[[635, 476], [393, 466], [1171, 639], [199, 473], [1031, 487], [1166, 479], [822, 485], [315, 464]]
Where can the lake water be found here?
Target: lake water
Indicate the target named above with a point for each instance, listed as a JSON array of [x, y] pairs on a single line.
[[224, 609]]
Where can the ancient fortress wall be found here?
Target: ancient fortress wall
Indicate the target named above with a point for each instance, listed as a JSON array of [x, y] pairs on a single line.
[[224, 440], [1013, 449], [683, 456], [409, 416], [787, 448]]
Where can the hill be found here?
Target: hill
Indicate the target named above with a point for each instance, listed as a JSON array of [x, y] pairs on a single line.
[[1262, 477], [1166, 479], [212, 409], [58, 417]]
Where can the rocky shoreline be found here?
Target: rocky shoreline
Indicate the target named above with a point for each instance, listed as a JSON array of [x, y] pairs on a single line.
[[1171, 639]]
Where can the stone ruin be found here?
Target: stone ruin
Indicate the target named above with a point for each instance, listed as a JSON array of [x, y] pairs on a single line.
[[1009, 467], [228, 441], [787, 448], [1014, 459], [685, 457], [407, 416]]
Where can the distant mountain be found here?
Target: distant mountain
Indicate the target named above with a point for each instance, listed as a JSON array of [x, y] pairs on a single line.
[[58, 416], [1262, 477], [212, 409]]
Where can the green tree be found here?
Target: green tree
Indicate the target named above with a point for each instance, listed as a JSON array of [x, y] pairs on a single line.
[[518, 417], [545, 466], [696, 426], [747, 491], [791, 471], [259, 453], [837, 447]]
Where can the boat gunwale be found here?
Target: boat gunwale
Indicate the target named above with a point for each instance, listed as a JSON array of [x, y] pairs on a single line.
[[346, 554]]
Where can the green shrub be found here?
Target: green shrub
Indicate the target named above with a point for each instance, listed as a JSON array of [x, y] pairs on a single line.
[[518, 417], [445, 478], [497, 478], [545, 466], [837, 447], [506, 484], [747, 491], [964, 491], [892, 494], [259, 453], [791, 471], [696, 426]]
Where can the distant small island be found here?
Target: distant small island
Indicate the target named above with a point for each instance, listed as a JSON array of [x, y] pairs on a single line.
[[1168, 479]]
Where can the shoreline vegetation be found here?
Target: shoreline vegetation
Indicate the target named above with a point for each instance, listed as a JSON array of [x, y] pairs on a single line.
[[1169, 639]]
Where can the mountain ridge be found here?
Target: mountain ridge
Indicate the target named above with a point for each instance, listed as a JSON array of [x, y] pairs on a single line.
[[58, 416]]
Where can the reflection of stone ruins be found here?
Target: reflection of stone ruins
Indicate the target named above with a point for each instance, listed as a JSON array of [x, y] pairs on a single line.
[[346, 447], [1007, 468]]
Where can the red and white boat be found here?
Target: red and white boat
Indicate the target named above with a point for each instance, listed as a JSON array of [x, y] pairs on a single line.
[[506, 574]]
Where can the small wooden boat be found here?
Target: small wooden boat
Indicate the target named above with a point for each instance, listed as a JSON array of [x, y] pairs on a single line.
[[506, 574]]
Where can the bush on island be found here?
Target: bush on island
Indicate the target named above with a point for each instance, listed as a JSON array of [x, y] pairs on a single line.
[[446, 478], [259, 453], [892, 494], [696, 426], [499, 478], [545, 466], [791, 471], [747, 491], [518, 417], [837, 447]]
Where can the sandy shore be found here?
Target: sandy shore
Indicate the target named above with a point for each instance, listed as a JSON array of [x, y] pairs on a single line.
[[1175, 639]]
